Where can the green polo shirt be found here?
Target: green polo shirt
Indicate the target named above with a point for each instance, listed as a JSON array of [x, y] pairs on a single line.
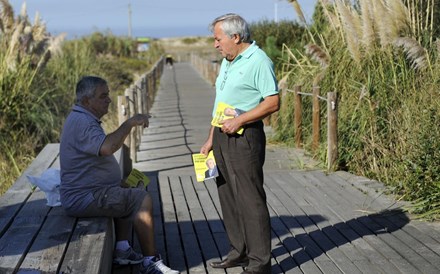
[[247, 80]]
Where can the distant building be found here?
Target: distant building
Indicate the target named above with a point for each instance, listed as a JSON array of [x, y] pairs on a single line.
[[143, 43]]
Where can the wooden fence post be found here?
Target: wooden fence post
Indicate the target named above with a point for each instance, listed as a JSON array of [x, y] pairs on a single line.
[[138, 95], [316, 120], [133, 135], [145, 95], [332, 130], [123, 115], [298, 116]]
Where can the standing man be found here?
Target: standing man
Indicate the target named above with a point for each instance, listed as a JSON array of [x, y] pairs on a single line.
[[246, 81], [91, 178]]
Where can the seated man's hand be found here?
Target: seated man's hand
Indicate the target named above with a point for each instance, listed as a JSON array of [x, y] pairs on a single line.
[[124, 183]]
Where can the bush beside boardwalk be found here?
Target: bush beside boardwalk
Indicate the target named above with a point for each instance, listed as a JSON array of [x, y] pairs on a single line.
[[382, 58], [38, 79]]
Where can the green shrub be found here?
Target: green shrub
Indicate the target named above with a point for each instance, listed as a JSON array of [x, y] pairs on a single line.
[[386, 75]]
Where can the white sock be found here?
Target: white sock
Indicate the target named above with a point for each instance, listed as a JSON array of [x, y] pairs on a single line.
[[122, 245], [147, 260]]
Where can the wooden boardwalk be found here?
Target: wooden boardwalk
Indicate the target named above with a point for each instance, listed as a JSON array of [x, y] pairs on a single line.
[[321, 223]]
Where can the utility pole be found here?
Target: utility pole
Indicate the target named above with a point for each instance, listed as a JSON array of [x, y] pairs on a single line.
[[275, 10], [129, 19]]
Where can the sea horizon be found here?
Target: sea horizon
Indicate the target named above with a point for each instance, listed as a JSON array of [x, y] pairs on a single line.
[[150, 32]]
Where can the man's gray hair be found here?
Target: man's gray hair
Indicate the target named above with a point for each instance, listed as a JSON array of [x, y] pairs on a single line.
[[233, 24], [86, 87]]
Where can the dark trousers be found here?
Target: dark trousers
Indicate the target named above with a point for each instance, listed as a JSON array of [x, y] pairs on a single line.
[[240, 160]]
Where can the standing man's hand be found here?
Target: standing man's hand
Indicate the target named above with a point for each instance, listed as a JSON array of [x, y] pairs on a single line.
[[230, 126], [207, 146]]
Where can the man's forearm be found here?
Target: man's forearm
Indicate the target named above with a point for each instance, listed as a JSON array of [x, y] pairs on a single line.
[[115, 140], [265, 108]]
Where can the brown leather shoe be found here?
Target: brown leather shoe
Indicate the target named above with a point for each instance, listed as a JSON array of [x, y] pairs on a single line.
[[251, 272], [229, 263]]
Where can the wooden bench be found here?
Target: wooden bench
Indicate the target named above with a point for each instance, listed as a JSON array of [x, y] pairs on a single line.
[[36, 238]]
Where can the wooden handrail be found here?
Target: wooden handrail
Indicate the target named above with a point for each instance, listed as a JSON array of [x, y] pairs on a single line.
[[138, 99]]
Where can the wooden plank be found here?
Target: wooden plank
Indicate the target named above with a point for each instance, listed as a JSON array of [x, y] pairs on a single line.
[[424, 234], [395, 223], [280, 253], [23, 230], [351, 235], [205, 238], [199, 215], [299, 228], [388, 231], [15, 197], [153, 189], [298, 240], [176, 258], [190, 243], [90, 248], [46, 252], [326, 240], [213, 221], [17, 240]]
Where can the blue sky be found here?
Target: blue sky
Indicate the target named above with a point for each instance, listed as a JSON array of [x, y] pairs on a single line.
[[153, 18]]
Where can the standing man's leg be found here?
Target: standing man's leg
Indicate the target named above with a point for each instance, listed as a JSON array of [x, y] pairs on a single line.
[[243, 199]]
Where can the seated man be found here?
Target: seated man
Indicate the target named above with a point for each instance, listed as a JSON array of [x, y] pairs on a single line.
[[91, 177]]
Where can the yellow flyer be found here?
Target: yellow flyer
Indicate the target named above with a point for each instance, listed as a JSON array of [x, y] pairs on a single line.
[[224, 112], [204, 166], [136, 177]]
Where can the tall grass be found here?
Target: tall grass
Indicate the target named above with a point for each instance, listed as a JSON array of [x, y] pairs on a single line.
[[25, 114], [37, 81], [382, 60]]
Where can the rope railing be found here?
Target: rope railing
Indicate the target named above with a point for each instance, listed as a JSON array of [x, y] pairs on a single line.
[[138, 99], [332, 121], [209, 71]]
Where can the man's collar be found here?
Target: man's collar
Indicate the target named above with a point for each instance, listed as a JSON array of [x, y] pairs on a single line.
[[81, 109], [250, 50]]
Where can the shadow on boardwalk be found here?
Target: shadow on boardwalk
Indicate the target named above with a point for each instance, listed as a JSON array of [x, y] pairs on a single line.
[[321, 223]]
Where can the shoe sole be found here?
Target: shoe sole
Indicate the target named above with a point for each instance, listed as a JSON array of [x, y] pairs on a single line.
[[241, 264], [127, 262]]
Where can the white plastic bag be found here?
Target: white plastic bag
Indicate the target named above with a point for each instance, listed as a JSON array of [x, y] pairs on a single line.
[[49, 182]]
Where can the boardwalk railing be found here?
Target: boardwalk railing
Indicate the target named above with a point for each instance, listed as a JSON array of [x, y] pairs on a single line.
[[139, 98], [209, 71], [332, 121]]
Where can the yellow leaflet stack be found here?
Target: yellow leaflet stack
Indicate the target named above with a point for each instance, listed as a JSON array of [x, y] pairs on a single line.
[[221, 113], [200, 166], [136, 177]]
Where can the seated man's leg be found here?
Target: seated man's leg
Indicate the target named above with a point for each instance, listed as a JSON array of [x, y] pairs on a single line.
[[123, 205], [144, 227]]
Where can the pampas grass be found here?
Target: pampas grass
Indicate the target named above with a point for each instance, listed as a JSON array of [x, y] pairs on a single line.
[[6, 17], [368, 35], [23, 40], [352, 26], [318, 54], [414, 51], [298, 11]]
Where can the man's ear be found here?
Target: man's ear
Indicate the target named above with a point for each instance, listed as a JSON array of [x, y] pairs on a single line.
[[237, 39], [85, 101]]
